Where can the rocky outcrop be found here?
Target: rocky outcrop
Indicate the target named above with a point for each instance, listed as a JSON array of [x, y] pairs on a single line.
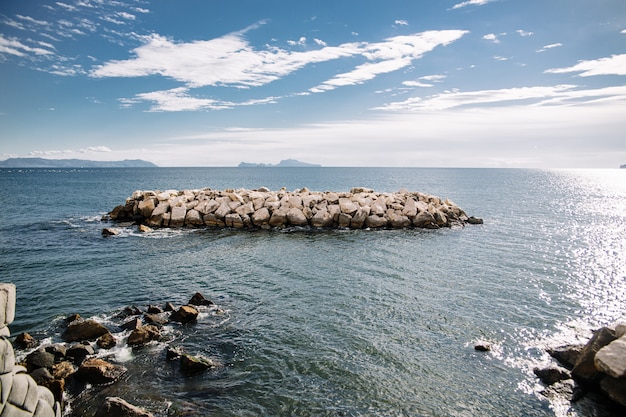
[[598, 365], [265, 209], [21, 395], [117, 407]]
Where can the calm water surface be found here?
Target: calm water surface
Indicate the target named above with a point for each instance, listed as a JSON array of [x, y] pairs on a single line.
[[352, 323]]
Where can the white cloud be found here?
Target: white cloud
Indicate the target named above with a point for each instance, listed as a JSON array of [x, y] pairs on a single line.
[[401, 23], [92, 149], [416, 84], [66, 6], [470, 3], [551, 95], [125, 15], [552, 45], [492, 37], [320, 42], [434, 77], [31, 20], [394, 53], [14, 47], [523, 33], [301, 41], [178, 99], [613, 65], [233, 62]]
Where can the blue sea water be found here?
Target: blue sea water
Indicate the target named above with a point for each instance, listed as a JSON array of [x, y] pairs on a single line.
[[331, 323]]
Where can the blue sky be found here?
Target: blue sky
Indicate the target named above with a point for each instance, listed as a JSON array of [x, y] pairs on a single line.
[[477, 83]]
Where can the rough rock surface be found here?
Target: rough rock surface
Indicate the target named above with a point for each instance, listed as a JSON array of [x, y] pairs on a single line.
[[80, 330], [117, 407], [99, 372], [249, 209]]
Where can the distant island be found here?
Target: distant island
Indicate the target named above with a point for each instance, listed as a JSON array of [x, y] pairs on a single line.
[[623, 166], [73, 163], [285, 163]]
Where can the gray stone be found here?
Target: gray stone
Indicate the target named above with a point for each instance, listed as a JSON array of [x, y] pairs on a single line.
[[321, 219], [552, 374], [191, 365], [424, 220], [193, 218], [375, 221], [615, 388], [185, 314], [39, 359], [99, 372], [296, 217], [261, 216], [177, 218], [585, 368], [611, 359]]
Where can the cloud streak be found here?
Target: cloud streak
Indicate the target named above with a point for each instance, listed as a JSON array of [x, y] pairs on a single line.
[[230, 61], [613, 65]]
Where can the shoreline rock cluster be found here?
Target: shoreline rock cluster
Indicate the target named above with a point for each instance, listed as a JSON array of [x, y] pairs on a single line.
[[597, 366], [82, 359], [265, 209]]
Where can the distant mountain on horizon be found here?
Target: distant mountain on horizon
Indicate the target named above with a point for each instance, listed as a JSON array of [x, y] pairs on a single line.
[[285, 163], [73, 163]]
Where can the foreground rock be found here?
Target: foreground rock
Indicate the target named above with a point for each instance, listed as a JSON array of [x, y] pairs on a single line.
[[264, 209], [117, 407], [99, 372], [598, 365]]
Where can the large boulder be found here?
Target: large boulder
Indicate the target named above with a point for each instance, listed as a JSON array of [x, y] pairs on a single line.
[[611, 359], [199, 300], [117, 407], [143, 335], [585, 368], [83, 330], [296, 217], [191, 365], [99, 372], [25, 341], [185, 314], [615, 388]]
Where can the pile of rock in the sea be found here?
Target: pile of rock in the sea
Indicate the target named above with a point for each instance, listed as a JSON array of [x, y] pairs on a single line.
[[598, 365], [78, 361], [265, 209]]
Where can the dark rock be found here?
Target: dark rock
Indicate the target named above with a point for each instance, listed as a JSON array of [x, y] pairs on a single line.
[[199, 300], [106, 341], [552, 374], [191, 365], [143, 335], [585, 368], [128, 312], [185, 314], [172, 353], [117, 407], [58, 350], [475, 220], [99, 372], [39, 359], [482, 346], [83, 330], [169, 307], [132, 324], [41, 376], [79, 352], [72, 318], [154, 310], [566, 355], [615, 388], [156, 319], [25, 341], [108, 231], [57, 387]]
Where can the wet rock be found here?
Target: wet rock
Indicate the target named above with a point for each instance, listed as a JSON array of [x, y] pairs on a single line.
[[145, 229], [482, 346], [567, 355], [158, 320], [39, 359], [83, 330], [129, 312], [475, 220], [63, 370], [143, 335], [117, 407], [191, 365], [585, 368], [551, 374], [199, 300], [99, 372], [72, 318], [172, 353], [78, 352], [109, 231], [106, 341], [185, 314], [132, 324], [169, 307], [25, 341], [58, 350], [154, 309]]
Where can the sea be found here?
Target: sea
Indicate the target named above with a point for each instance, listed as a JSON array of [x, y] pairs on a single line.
[[332, 322]]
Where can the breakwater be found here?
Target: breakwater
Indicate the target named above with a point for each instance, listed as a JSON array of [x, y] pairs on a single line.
[[265, 209]]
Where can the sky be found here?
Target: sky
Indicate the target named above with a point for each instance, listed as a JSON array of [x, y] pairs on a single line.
[[402, 83]]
